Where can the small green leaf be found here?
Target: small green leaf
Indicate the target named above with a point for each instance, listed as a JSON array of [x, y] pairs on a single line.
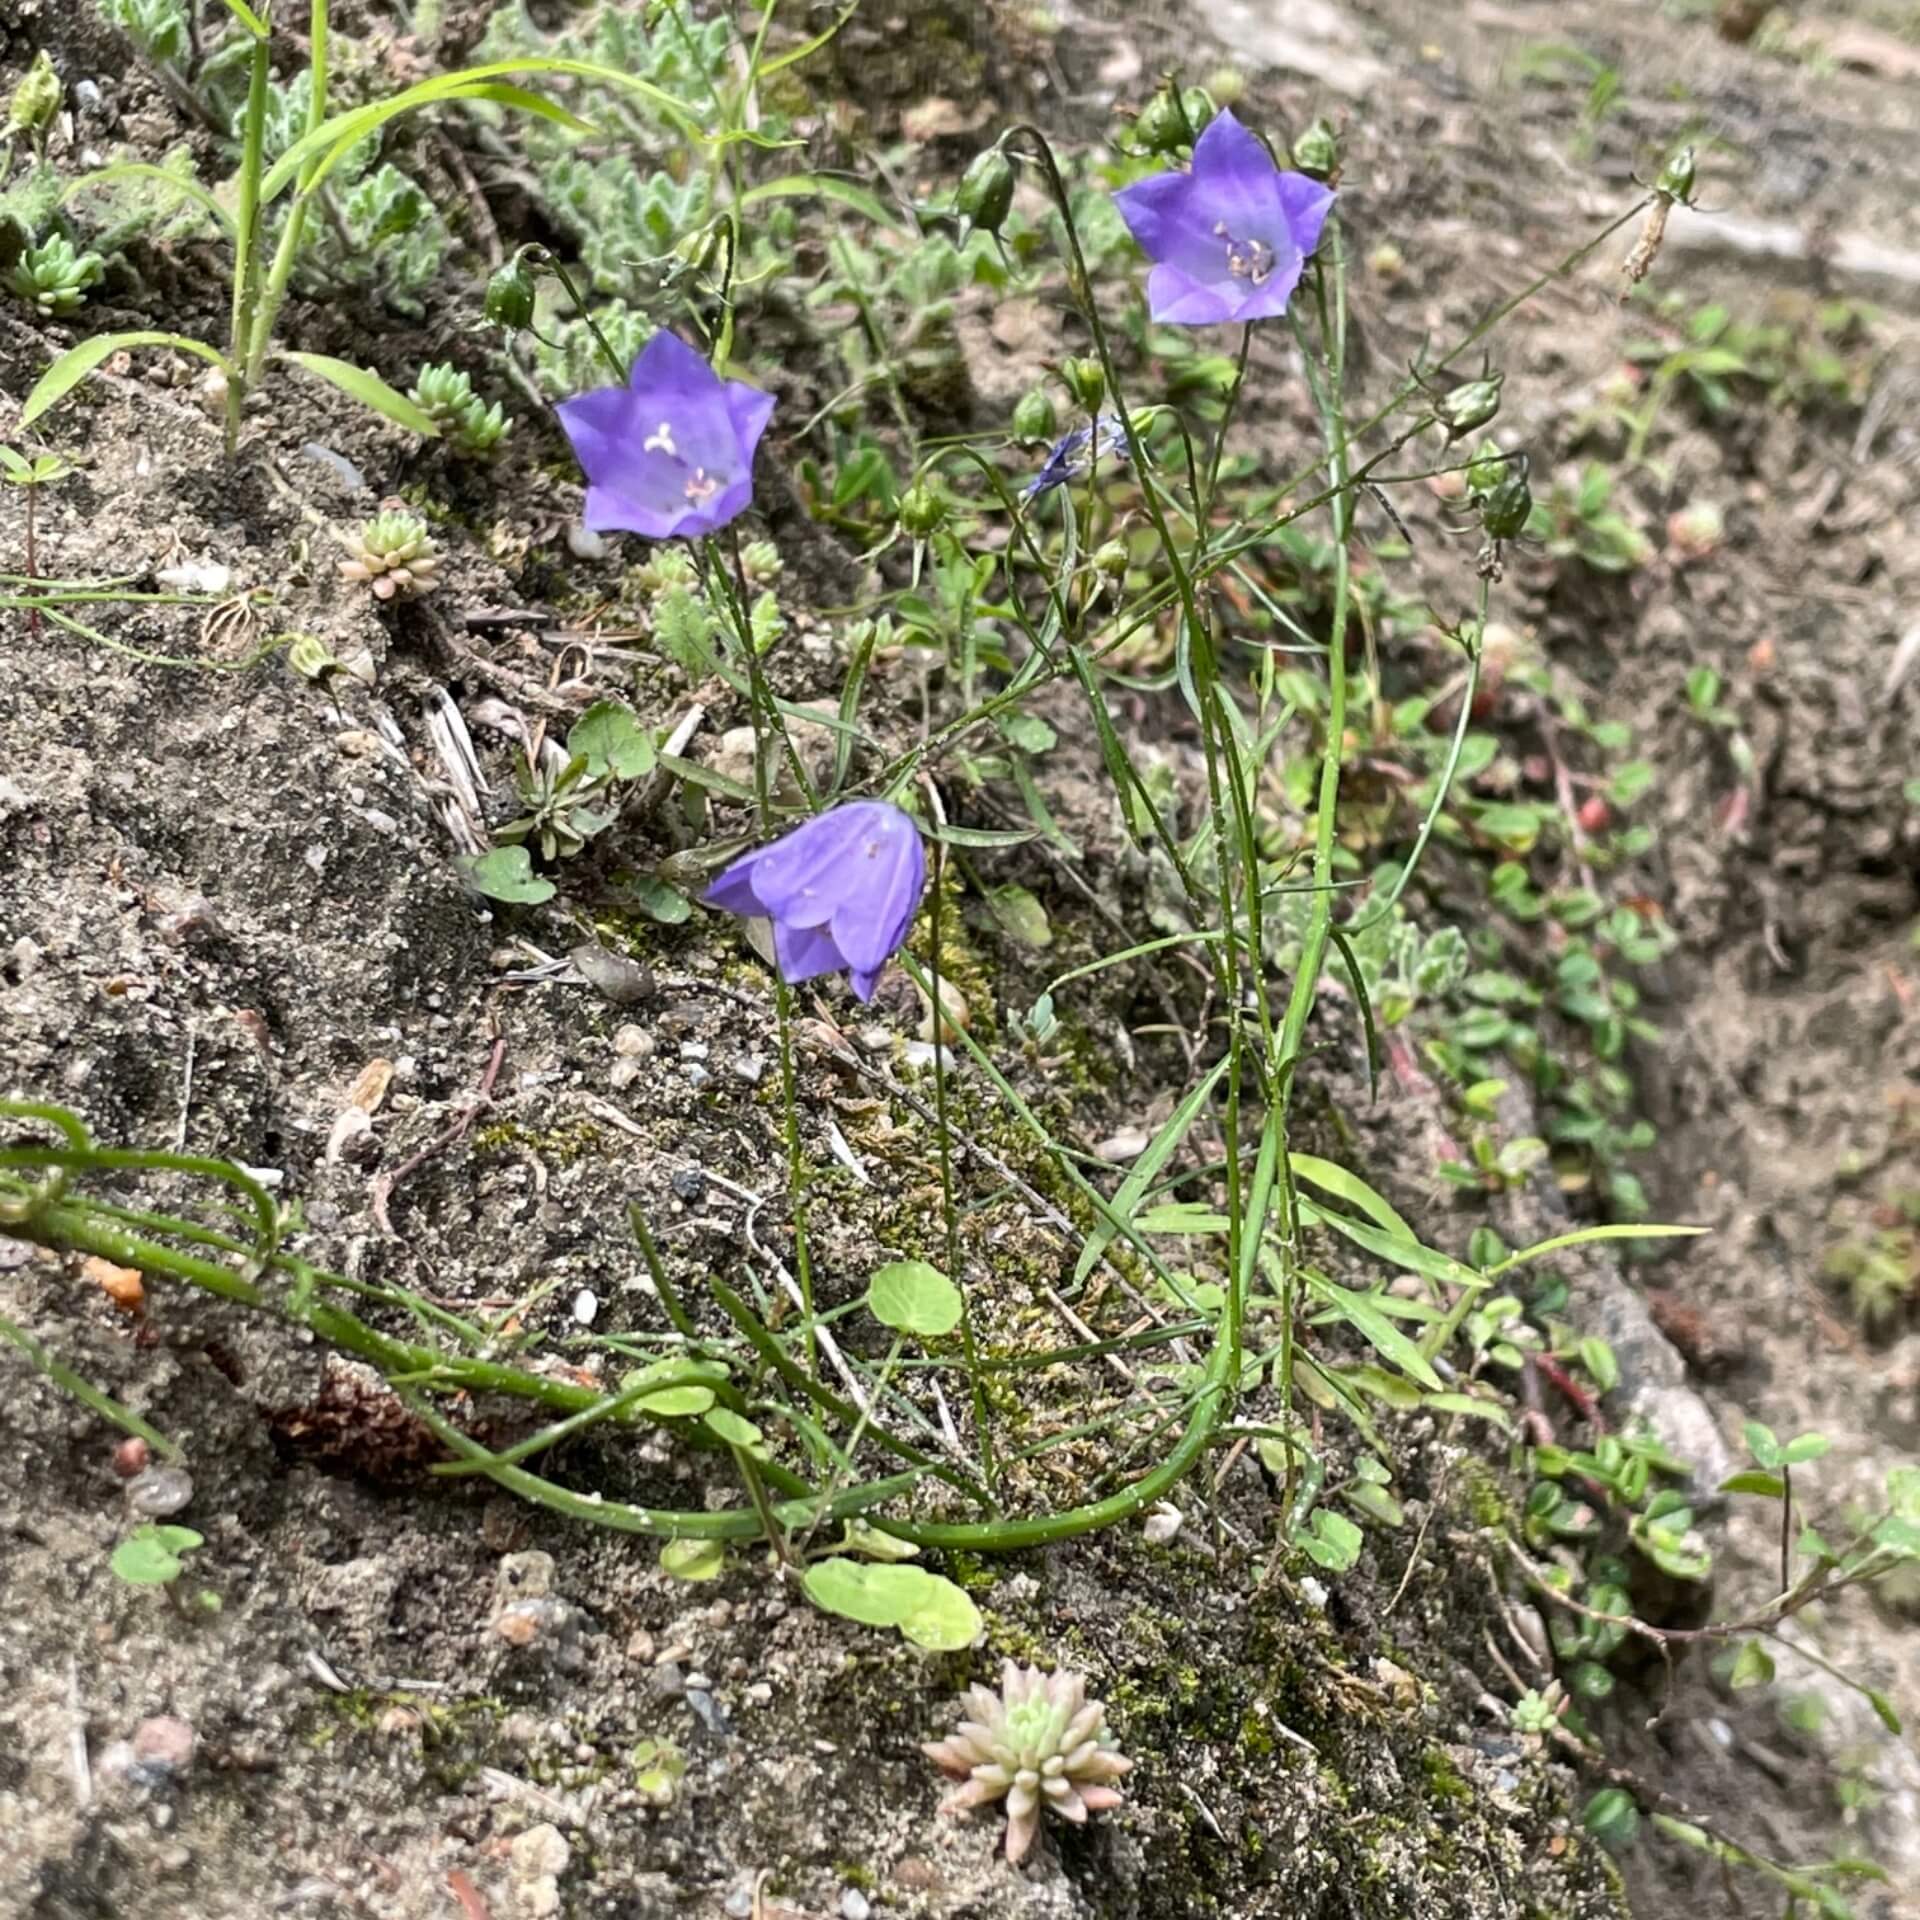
[[930, 1611], [1375, 1502], [506, 873], [1754, 1480], [1330, 1540], [735, 1429], [1597, 1357], [911, 1297], [1884, 1708], [1752, 1667], [612, 742], [861, 1537], [1612, 1818], [658, 901], [366, 386], [693, 1560], [1762, 1444], [1022, 915], [686, 1397], [1807, 1446], [150, 1556]]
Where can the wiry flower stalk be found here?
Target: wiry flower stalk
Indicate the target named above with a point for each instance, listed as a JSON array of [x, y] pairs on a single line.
[[1037, 1743]]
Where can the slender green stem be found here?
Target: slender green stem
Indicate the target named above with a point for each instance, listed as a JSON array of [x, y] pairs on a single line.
[[976, 1380], [104, 1404], [246, 227], [293, 232]]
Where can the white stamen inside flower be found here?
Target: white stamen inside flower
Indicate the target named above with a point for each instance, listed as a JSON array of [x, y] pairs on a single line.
[[700, 486], [1246, 259], [660, 440]]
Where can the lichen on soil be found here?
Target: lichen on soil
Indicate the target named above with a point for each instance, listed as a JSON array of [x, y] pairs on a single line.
[[223, 894]]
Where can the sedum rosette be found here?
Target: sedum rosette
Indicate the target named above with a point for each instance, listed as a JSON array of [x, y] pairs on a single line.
[[1037, 1743]]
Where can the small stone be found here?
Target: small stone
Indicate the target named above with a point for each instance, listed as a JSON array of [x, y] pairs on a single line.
[[739, 1904], [693, 1050], [584, 544], [1163, 1524], [854, 1905], [159, 1491], [689, 1184], [613, 976], [632, 1043], [640, 1647], [748, 1067], [586, 1303], [697, 1077], [194, 919], [163, 1747], [336, 464], [1313, 1593], [875, 1039], [130, 1457], [541, 1850], [1128, 1144]]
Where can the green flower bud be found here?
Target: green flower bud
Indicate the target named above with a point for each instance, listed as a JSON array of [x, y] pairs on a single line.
[[1505, 510], [37, 98], [1676, 177], [921, 510], [510, 295], [1160, 126], [1317, 152], [1463, 408], [1086, 381], [1485, 470], [985, 197], [1110, 559], [1198, 103], [1036, 417]]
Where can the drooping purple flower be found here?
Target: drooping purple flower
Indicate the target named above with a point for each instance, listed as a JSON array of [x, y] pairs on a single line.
[[841, 890], [671, 452], [1075, 452], [1230, 239]]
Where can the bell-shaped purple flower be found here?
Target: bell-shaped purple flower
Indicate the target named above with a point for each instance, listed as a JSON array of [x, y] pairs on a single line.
[[841, 890], [1230, 239], [671, 452]]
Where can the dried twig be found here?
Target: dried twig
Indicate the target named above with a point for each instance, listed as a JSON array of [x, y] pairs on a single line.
[[385, 1183]]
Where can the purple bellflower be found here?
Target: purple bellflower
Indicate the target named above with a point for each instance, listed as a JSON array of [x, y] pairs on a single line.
[[671, 452], [841, 890], [1074, 453], [1230, 239]]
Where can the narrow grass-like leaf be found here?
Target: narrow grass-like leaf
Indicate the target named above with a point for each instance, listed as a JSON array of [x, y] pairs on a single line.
[[146, 170], [824, 186], [77, 362], [368, 388], [1623, 1230], [1146, 1170], [1375, 1327], [1357, 981], [1349, 1187]]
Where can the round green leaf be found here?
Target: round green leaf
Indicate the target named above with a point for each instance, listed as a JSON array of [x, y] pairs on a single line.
[[911, 1297], [693, 1559], [506, 873], [930, 1611], [736, 1431]]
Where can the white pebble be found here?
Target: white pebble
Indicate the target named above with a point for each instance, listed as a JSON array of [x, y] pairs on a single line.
[[586, 1303]]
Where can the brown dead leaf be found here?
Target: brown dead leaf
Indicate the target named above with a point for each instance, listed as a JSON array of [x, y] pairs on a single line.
[[370, 1088]]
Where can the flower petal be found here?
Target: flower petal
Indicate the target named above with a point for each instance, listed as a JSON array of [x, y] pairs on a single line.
[[805, 953], [749, 409], [800, 878], [732, 887], [1172, 223], [1179, 300], [1306, 202], [872, 923], [1234, 174]]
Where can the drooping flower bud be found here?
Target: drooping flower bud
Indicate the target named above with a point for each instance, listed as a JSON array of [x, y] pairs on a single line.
[[1463, 408], [1676, 177], [1160, 126], [1485, 470], [921, 510], [1505, 510], [1197, 104], [1036, 417], [1317, 152], [1086, 380], [985, 197], [37, 98], [510, 295], [1110, 560]]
